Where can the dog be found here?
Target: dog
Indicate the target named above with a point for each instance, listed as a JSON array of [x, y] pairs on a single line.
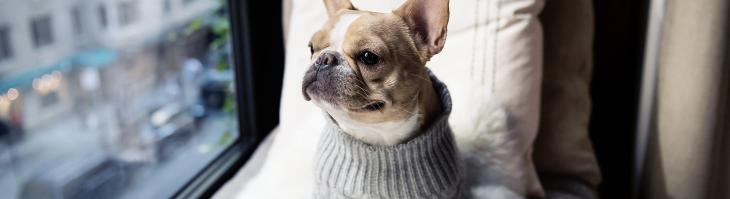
[[388, 134], [368, 69]]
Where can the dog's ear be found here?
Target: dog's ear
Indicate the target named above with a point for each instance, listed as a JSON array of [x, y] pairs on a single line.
[[333, 6], [427, 20]]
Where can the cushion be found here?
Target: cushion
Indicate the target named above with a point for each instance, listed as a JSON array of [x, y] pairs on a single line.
[[492, 56], [564, 155]]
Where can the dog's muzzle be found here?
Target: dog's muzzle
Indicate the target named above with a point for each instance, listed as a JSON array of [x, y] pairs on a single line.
[[325, 60]]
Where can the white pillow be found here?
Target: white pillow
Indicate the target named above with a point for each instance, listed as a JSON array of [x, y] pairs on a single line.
[[482, 34]]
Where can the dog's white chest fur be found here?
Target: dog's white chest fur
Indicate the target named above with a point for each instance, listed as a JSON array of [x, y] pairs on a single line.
[[384, 133]]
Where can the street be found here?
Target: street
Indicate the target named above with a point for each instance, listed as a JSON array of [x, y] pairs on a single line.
[[68, 139]]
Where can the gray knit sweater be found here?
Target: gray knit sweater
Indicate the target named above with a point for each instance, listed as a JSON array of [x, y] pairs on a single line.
[[423, 167]]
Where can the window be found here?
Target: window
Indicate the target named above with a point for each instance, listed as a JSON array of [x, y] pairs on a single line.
[[103, 21], [6, 50], [128, 12], [42, 31], [49, 99], [77, 18], [166, 6], [113, 121]]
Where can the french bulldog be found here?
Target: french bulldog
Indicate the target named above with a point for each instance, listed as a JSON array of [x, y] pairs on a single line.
[[368, 74], [387, 134], [368, 69]]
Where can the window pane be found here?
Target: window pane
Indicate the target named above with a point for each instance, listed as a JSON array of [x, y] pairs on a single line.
[[166, 6], [6, 50], [102, 16], [135, 112], [128, 12], [78, 23], [187, 1], [42, 31]]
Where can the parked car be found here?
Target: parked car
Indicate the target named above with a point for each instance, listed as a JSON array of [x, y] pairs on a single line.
[[8, 136], [9, 133], [94, 176], [172, 126], [215, 89], [6, 159]]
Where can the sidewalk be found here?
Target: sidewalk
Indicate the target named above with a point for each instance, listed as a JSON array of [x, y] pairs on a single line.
[[44, 148], [68, 138]]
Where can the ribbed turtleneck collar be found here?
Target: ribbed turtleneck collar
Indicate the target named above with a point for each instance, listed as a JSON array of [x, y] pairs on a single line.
[[423, 167]]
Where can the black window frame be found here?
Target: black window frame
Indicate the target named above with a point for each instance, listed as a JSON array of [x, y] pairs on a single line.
[[259, 75], [6, 46]]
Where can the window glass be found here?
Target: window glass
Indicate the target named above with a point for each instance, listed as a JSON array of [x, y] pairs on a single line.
[[133, 113], [49, 99], [128, 12], [6, 50], [166, 6], [187, 1], [42, 31], [77, 18], [102, 16]]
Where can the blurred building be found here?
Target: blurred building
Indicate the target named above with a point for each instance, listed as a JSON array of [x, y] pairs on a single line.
[[61, 56]]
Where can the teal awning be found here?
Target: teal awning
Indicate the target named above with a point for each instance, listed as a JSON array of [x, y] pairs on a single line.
[[96, 58], [25, 78]]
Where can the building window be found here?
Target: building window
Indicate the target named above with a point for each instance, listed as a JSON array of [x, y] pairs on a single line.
[[166, 6], [49, 99], [128, 12], [78, 20], [102, 16], [6, 50], [42, 31]]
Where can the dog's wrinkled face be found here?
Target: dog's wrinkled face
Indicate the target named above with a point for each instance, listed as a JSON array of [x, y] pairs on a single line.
[[368, 68], [361, 67]]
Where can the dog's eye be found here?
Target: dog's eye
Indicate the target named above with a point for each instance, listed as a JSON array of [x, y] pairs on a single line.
[[369, 58], [311, 50]]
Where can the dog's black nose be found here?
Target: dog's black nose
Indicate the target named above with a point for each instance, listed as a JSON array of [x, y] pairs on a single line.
[[326, 59]]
